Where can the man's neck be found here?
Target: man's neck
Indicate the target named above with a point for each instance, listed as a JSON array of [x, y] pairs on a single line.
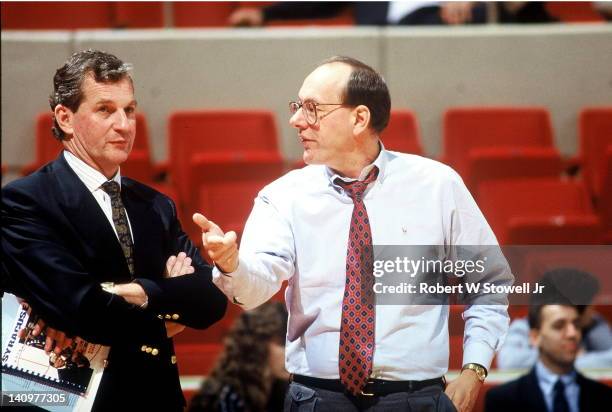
[[556, 367], [354, 163]]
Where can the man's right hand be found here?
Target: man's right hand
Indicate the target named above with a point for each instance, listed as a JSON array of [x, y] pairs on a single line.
[[221, 247]]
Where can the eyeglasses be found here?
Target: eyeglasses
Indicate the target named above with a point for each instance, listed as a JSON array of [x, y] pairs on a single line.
[[310, 110]]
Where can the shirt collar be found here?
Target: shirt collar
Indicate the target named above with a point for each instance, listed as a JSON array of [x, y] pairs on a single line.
[[91, 177], [549, 378], [380, 162]]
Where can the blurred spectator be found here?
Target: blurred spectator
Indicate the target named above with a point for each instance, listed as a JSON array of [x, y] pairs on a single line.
[[604, 8], [596, 343], [523, 12], [250, 373], [553, 385], [375, 13]]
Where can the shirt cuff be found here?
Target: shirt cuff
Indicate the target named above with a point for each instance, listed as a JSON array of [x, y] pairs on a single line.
[[153, 292], [478, 352], [231, 283]]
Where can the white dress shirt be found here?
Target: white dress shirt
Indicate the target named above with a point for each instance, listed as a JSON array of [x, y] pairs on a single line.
[[298, 231], [547, 381], [94, 180]]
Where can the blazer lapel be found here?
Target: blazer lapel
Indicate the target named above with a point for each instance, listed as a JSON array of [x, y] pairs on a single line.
[[91, 225], [534, 399]]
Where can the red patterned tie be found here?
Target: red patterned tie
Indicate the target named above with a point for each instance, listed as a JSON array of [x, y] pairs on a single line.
[[357, 325]]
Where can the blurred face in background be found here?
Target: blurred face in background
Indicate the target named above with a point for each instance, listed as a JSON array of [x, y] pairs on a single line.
[[102, 130], [558, 338], [327, 140]]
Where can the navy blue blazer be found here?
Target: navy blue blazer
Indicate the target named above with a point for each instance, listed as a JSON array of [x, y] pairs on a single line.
[[58, 246], [524, 394]]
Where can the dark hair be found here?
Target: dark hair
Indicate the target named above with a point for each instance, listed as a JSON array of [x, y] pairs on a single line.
[[241, 365], [68, 79], [562, 286], [367, 87]]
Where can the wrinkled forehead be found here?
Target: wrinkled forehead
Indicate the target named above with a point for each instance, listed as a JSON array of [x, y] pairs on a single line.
[[122, 89], [326, 84]]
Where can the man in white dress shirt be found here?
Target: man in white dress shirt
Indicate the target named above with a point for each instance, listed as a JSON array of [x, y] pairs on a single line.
[[298, 231]]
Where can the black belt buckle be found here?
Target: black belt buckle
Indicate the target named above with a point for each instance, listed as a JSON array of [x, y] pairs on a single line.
[[362, 393]]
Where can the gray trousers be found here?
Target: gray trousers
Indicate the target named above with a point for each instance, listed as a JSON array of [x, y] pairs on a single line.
[[302, 398]]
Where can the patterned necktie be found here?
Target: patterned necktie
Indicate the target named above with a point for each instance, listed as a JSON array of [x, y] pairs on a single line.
[[559, 400], [121, 223], [357, 325]]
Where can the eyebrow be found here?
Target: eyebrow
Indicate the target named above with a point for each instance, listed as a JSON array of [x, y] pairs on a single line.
[[106, 101]]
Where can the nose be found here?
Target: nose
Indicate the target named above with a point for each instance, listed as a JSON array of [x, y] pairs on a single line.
[[122, 122], [298, 120], [573, 331]]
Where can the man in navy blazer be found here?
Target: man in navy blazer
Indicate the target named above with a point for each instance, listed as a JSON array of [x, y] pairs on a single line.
[[76, 224], [553, 385]]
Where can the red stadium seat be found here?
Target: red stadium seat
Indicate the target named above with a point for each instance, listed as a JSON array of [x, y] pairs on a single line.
[[573, 11], [76, 15], [139, 165], [202, 14], [494, 163], [40, 15], [214, 132], [539, 211], [402, 133], [595, 125], [197, 359], [604, 204], [228, 185], [141, 14], [501, 128]]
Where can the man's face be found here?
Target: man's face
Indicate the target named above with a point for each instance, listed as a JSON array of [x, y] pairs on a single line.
[[559, 335], [329, 139], [104, 126]]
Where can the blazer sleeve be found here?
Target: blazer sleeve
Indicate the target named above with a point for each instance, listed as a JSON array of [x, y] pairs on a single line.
[[192, 300], [51, 277]]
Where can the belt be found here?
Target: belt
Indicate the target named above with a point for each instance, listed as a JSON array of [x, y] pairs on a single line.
[[374, 387]]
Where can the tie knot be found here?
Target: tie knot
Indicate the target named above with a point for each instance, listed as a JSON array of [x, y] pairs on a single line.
[[111, 188], [355, 189], [559, 386]]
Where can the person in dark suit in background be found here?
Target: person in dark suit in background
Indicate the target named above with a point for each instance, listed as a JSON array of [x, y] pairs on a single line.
[[96, 255], [553, 385]]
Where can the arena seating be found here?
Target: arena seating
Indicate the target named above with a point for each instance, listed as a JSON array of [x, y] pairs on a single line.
[[41, 15], [402, 133], [215, 132], [595, 137], [483, 143], [539, 211]]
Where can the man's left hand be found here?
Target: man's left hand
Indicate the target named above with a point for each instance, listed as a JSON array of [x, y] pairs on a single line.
[[463, 391]]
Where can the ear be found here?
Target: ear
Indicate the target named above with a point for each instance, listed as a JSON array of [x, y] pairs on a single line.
[[534, 337], [361, 119], [64, 117]]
